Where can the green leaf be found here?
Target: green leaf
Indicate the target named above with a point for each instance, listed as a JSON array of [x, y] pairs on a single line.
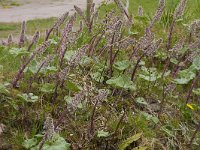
[[122, 82], [3, 89], [69, 54], [179, 20], [155, 119], [39, 136], [196, 63], [122, 65], [28, 97], [181, 81], [151, 74], [168, 130], [18, 52], [161, 55], [33, 68], [68, 99], [150, 117], [57, 143], [53, 42], [48, 88], [130, 140], [185, 76], [100, 67], [133, 33], [141, 100], [196, 91], [29, 143], [174, 61], [142, 63], [97, 76], [51, 69], [141, 18], [72, 86], [86, 61], [102, 134]]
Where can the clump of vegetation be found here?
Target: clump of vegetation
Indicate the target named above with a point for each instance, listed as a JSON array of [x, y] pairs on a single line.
[[110, 83], [8, 3]]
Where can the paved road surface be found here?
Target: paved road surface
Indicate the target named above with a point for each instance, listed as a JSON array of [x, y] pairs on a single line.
[[32, 9]]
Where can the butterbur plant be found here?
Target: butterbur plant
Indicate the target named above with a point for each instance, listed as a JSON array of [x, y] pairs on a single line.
[[39, 50], [75, 59], [10, 39], [96, 86], [34, 40], [123, 9], [195, 81], [177, 14], [73, 62], [90, 17], [180, 9], [158, 13], [49, 131], [22, 34], [57, 24], [102, 95], [193, 27], [65, 38], [43, 64], [192, 52]]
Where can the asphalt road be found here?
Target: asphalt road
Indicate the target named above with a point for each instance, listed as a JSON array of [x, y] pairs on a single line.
[[32, 9]]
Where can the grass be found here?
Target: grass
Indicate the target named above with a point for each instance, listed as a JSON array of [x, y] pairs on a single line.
[[150, 7], [32, 26], [8, 3]]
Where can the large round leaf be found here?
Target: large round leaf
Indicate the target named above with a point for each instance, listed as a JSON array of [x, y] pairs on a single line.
[[122, 82]]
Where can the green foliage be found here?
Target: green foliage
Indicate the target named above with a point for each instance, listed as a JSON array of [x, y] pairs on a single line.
[[168, 130], [30, 97], [196, 63], [141, 100], [18, 52], [150, 74], [130, 140], [97, 76], [122, 81], [56, 143], [102, 134], [150, 117], [8, 3], [185, 76], [122, 65], [29, 143], [196, 91], [69, 54], [47, 88], [72, 86], [3, 89]]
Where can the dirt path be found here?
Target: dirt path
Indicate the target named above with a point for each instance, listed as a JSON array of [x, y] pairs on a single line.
[[32, 9]]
